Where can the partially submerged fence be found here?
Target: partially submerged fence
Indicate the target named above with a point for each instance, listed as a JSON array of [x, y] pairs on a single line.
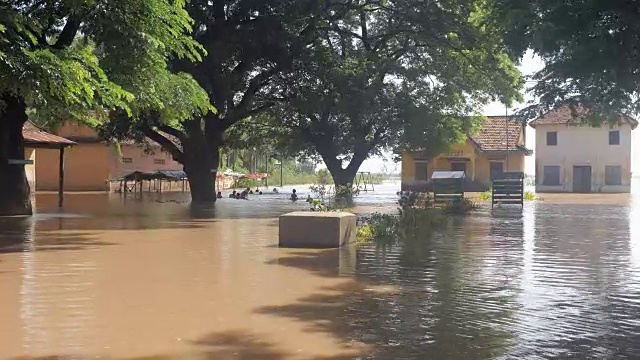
[[508, 188]]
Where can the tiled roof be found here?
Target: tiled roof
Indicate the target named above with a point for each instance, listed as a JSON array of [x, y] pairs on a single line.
[[33, 135], [564, 116], [147, 141], [493, 135]]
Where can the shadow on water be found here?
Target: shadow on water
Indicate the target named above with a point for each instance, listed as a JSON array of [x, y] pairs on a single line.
[[555, 280], [241, 344], [552, 281], [17, 234]]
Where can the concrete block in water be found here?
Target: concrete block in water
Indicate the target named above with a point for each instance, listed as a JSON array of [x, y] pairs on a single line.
[[302, 229]]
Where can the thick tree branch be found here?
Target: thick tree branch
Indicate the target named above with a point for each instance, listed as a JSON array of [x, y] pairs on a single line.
[[245, 113], [165, 143], [68, 33], [241, 110], [173, 132]]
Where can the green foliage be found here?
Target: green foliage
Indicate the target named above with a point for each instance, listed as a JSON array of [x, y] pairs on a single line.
[[460, 206], [530, 196], [485, 195], [244, 183], [417, 219], [323, 177], [589, 49], [377, 78], [409, 224], [66, 61]]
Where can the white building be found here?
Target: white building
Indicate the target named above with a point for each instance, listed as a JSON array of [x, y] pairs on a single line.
[[572, 156]]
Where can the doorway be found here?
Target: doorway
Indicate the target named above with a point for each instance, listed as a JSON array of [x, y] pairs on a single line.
[[582, 179], [459, 166], [495, 169]]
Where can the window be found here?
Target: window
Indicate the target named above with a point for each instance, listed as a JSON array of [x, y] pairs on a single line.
[[159, 161], [552, 138], [551, 175], [127, 160], [612, 175], [614, 137], [421, 170]]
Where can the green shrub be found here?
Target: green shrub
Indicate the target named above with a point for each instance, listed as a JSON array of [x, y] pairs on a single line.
[[246, 183], [485, 195], [323, 177], [364, 234], [460, 207]]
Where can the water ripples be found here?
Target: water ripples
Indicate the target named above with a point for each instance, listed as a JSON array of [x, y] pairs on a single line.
[[557, 282], [554, 281]]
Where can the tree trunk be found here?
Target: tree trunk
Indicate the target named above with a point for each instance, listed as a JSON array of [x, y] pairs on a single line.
[[15, 196], [201, 161], [201, 180], [342, 177]]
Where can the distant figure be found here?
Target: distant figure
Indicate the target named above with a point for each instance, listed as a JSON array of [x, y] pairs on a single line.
[[233, 195], [219, 195], [238, 196], [294, 196], [260, 193], [245, 193], [250, 192], [257, 190], [275, 191], [309, 199]]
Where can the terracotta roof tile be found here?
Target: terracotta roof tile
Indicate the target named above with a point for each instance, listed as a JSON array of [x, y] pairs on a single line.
[[564, 116], [493, 134], [33, 135]]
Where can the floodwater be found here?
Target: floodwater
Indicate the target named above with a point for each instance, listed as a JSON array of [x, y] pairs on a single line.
[[117, 278]]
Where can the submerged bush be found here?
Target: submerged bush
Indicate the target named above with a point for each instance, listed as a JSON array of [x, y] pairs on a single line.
[[460, 207], [416, 220]]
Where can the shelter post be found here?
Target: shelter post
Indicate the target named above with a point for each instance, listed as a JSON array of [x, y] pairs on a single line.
[[61, 177]]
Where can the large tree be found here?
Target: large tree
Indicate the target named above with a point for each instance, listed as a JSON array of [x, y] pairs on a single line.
[[50, 65], [590, 50], [249, 43], [391, 74]]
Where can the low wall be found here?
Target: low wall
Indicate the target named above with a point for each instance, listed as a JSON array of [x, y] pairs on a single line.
[[303, 229]]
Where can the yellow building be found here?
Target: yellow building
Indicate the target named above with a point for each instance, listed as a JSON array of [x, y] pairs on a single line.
[[498, 147]]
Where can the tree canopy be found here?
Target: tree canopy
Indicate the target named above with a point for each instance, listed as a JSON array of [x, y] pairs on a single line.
[[589, 49], [69, 56], [383, 74], [87, 59], [248, 44]]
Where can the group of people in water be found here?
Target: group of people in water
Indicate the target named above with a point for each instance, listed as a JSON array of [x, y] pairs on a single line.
[[245, 194]]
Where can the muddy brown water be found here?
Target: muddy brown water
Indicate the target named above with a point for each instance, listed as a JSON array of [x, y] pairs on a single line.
[[117, 278]]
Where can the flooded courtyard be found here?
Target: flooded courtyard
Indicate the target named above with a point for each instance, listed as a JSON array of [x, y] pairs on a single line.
[[117, 278]]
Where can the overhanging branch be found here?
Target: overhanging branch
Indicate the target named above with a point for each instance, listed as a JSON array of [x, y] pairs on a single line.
[[165, 143], [68, 33]]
